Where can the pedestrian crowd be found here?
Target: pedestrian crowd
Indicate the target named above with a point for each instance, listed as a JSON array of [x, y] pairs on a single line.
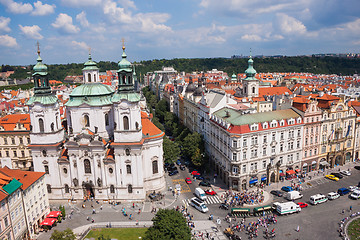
[[343, 222], [233, 198]]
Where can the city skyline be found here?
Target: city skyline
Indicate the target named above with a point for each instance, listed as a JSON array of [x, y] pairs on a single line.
[[66, 29]]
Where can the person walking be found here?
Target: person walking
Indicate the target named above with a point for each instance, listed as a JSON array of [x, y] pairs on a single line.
[[350, 209], [298, 228]]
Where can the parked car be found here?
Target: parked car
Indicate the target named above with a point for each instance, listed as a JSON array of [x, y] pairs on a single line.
[[172, 168], [173, 173], [276, 193], [333, 195], [182, 167], [353, 188], [332, 177], [204, 183], [338, 175], [357, 167], [343, 191], [210, 192], [199, 177], [188, 180], [178, 162], [195, 173], [345, 172], [287, 189], [302, 204]]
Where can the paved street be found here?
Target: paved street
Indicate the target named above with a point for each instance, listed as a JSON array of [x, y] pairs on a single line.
[[315, 222]]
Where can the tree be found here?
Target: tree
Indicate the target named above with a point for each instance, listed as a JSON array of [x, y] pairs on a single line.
[[62, 209], [171, 150], [168, 224], [191, 143], [67, 234], [197, 159]]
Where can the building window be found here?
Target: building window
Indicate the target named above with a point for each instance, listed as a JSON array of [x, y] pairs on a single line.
[[264, 151], [323, 149], [273, 149], [137, 126], [281, 147], [234, 156], [126, 123], [155, 167], [67, 190], [106, 119], [298, 144], [21, 140], [127, 152], [244, 169], [15, 153], [264, 164], [5, 141], [234, 144], [13, 141], [130, 190], [28, 140], [48, 186], [89, 77], [46, 167], [128, 169], [273, 136], [244, 143], [41, 125], [244, 155], [235, 170], [265, 139], [254, 140], [111, 170], [7, 153], [348, 143], [87, 166], [112, 189], [282, 136], [44, 153], [52, 127], [305, 154], [86, 121], [65, 170]]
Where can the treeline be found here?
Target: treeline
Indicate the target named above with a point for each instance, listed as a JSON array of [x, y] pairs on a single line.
[[326, 65], [185, 143]]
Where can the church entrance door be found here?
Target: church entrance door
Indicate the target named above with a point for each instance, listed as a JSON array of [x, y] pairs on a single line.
[[89, 191]]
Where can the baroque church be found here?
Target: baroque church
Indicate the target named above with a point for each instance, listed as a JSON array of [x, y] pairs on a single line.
[[106, 148]]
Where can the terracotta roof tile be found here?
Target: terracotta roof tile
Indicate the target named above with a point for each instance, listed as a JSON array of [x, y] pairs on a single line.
[[27, 178]]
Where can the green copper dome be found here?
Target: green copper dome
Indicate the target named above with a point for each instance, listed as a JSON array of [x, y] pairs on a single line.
[[124, 64], [90, 64], [91, 89], [40, 68], [250, 71]]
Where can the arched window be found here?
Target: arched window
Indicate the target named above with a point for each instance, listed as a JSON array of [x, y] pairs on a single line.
[[44, 153], [129, 80], [106, 119], [89, 77], [87, 166], [94, 77], [124, 80], [48, 186], [137, 126], [128, 169], [253, 90], [67, 189], [129, 188], [86, 121], [112, 189], [41, 125], [57, 122], [155, 167], [127, 152], [126, 123], [52, 127]]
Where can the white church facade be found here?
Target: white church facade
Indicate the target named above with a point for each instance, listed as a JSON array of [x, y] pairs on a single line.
[[107, 148]]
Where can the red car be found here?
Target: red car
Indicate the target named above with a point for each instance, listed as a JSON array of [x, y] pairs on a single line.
[[210, 192], [188, 180], [195, 173], [302, 205]]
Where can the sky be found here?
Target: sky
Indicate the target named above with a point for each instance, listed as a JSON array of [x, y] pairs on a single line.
[[167, 29]]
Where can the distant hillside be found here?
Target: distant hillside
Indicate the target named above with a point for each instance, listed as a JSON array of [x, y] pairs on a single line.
[[326, 65]]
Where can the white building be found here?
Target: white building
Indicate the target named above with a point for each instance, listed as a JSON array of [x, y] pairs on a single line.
[[112, 150]]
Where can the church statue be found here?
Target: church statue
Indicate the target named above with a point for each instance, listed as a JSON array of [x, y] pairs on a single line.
[[99, 182]]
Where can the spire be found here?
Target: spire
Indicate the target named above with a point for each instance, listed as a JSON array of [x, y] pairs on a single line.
[[125, 72], [250, 71], [40, 76]]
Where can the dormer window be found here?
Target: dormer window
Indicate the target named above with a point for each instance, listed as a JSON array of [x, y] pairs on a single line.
[[265, 125], [254, 127], [282, 123], [273, 124], [299, 120]]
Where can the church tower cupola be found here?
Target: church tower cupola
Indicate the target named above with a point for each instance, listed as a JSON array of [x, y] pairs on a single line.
[[250, 83], [90, 71], [40, 76], [125, 75]]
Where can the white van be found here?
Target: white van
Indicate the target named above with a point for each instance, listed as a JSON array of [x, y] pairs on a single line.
[[199, 205], [293, 195], [333, 195], [200, 194], [318, 198], [355, 194], [287, 208]]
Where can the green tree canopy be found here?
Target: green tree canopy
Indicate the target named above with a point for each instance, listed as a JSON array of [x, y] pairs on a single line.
[[171, 150], [67, 234], [191, 143], [168, 225]]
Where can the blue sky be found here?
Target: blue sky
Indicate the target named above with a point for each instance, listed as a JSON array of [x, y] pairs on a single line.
[[174, 28]]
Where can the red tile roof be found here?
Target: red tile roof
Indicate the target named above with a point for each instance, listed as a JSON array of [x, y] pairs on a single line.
[[27, 178], [9, 122]]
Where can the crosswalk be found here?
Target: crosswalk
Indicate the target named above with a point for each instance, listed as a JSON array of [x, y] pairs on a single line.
[[209, 200]]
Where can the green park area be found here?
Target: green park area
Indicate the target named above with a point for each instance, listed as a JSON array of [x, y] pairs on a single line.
[[117, 233], [354, 229]]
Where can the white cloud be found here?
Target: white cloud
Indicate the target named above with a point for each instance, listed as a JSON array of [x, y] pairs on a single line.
[[81, 3], [17, 8], [4, 22], [42, 9], [81, 17], [140, 22], [81, 45], [64, 23], [31, 32], [127, 4], [7, 41], [251, 37], [290, 25]]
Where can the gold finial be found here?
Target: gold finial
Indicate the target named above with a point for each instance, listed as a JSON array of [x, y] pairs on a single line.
[[123, 43], [38, 47]]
